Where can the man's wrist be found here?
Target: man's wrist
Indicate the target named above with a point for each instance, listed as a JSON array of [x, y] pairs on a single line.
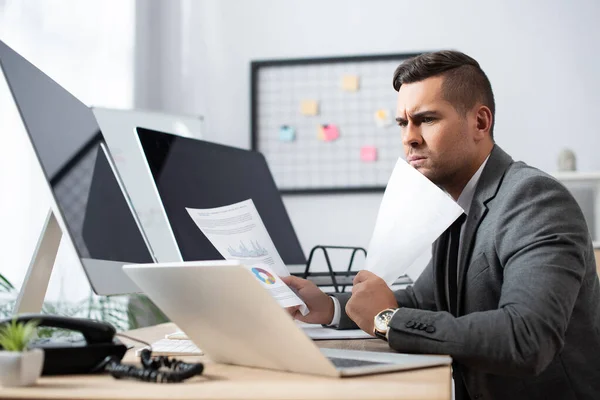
[[387, 334], [381, 322]]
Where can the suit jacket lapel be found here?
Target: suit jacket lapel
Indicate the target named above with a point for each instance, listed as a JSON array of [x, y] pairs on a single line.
[[439, 255], [486, 189]]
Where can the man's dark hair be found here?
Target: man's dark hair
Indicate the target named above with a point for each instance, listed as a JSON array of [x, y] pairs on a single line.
[[464, 84]]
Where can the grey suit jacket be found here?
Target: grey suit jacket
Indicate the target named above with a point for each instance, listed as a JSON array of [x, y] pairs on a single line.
[[528, 324]]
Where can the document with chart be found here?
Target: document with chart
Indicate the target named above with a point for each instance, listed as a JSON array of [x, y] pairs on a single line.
[[238, 233]]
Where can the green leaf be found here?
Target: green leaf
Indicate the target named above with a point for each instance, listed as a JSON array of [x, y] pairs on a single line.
[[16, 335], [5, 284]]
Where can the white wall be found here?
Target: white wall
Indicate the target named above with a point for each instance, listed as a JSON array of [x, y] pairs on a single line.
[[541, 57]]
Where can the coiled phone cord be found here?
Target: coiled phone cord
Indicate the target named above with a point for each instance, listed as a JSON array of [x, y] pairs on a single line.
[[151, 367]]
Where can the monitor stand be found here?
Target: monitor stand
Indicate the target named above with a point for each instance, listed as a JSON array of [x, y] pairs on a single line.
[[32, 294]]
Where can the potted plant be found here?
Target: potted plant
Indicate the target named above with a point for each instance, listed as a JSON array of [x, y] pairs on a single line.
[[19, 366]]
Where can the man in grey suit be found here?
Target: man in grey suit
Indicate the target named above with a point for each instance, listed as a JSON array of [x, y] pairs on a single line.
[[512, 294]]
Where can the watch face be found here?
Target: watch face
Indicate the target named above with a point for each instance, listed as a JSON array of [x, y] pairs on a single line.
[[382, 320]]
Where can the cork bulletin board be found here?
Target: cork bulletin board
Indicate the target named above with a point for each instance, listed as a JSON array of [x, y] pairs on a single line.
[[327, 124]]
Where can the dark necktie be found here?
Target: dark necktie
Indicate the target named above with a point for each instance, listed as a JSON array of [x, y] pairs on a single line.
[[453, 245]]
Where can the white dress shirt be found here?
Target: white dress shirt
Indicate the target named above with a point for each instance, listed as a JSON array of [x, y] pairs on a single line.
[[464, 201]]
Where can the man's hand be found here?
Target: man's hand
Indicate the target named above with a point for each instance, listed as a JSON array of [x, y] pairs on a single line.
[[370, 295], [319, 304]]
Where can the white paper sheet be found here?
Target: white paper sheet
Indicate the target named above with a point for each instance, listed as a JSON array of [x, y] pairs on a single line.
[[318, 332], [238, 233], [314, 331], [417, 267], [413, 213]]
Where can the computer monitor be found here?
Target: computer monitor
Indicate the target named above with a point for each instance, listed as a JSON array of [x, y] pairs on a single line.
[[200, 174], [89, 200], [119, 130]]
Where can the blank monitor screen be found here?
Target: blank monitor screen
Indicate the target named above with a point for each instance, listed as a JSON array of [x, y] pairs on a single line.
[[70, 148], [199, 174]]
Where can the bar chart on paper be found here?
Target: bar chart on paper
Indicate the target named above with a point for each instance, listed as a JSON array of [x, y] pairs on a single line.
[[252, 251]]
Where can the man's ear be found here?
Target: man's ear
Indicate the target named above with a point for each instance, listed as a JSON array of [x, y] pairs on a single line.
[[483, 122]]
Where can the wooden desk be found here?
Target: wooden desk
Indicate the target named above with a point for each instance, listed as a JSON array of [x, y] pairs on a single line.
[[231, 382]]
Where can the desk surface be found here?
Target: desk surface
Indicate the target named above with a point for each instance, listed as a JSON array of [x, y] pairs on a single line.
[[230, 382]]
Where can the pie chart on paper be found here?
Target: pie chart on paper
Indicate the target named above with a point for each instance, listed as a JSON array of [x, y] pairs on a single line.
[[263, 276]]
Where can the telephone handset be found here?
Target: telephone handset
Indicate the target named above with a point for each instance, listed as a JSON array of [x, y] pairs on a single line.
[[63, 356]]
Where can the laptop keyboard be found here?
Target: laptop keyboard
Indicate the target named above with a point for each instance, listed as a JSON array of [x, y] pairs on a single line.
[[350, 362]]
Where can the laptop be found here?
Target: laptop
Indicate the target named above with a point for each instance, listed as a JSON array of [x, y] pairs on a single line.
[[225, 310]]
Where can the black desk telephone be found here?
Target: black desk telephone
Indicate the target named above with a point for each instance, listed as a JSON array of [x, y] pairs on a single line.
[[82, 356], [99, 351]]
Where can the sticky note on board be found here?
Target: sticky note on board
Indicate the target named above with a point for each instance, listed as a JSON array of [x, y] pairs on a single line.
[[368, 153], [383, 118], [320, 133], [350, 83], [309, 107], [287, 133], [328, 133]]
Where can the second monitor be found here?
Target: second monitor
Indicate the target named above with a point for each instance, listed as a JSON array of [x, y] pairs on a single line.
[[198, 174]]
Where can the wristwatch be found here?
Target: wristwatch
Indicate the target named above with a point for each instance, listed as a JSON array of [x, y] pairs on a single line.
[[381, 321]]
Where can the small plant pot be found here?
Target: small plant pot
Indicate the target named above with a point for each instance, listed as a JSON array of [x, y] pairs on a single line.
[[20, 368]]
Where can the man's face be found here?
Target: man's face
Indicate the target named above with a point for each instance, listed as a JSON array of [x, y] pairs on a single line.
[[438, 140]]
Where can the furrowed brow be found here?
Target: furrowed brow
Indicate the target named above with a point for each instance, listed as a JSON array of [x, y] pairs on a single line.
[[423, 114]]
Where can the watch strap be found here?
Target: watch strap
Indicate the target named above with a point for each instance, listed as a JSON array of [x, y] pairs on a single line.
[[380, 335]]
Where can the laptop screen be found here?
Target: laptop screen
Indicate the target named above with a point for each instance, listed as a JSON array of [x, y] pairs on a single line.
[[199, 174]]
